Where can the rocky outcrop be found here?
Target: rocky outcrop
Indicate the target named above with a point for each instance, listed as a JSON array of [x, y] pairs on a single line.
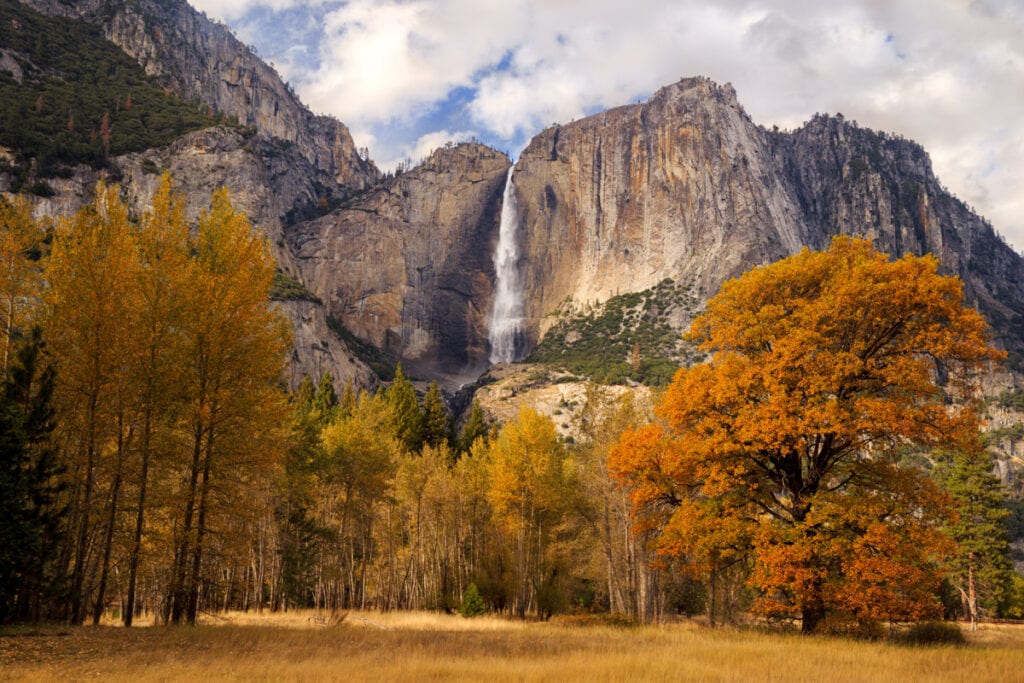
[[201, 59], [408, 265], [265, 183], [686, 186], [857, 181], [683, 186], [567, 400]]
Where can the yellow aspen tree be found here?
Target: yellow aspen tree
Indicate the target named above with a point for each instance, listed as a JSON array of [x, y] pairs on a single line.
[[358, 470], [235, 347], [161, 287], [528, 481], [20, 236], [94, 260]]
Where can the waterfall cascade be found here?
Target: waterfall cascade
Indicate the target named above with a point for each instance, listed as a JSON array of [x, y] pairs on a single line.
[[507, 318]]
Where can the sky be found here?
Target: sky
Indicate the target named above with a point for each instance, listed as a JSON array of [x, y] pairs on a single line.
[[407, 76]]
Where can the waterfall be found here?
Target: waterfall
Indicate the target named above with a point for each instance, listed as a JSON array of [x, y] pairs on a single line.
[[507, 317]]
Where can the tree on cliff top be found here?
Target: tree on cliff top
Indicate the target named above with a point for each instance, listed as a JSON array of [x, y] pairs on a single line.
[[785, 450]]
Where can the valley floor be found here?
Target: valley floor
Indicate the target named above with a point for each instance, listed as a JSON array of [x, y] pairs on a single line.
[[418, 646]]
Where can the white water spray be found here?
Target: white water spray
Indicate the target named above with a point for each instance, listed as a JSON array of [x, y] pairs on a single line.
[[507, 317]]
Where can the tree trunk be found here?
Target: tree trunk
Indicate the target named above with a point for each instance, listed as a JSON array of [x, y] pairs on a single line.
[[812, 611], [123, 443], [197, 555], [133, 559], [78, 572], [972, 596], [178, 598]]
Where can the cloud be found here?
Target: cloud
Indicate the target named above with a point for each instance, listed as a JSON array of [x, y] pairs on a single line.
[[232, 10], [946, 73], [390, 59], [426, 144]]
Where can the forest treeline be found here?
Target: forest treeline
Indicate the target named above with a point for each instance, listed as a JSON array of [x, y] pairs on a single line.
[[144, 362], [154, 464]]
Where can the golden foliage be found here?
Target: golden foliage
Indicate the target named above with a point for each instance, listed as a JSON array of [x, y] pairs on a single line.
[[787, 445], [20, 235]]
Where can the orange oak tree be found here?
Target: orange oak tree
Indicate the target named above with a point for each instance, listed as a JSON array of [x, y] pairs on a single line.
[[784, 451]]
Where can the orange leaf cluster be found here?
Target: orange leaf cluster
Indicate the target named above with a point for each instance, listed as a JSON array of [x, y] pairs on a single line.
[[826, 367]]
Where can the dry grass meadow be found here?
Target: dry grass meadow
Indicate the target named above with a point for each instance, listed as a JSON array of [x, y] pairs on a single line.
[[417, 646]]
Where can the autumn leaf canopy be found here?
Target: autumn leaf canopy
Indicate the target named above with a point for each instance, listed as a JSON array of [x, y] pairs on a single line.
[[786, 446]]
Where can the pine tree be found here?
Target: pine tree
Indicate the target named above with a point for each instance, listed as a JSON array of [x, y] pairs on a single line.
[[16, 537], [436, 423], [304, 395], [472, 603], [982, 570], [325, 400], [297, 527], [406, 413], [475, 427], [29, 487], [348, 399]]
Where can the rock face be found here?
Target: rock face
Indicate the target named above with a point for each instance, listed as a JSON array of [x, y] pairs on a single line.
[[202, 59], [856, 181], [408, 265], [682, 187], [293, 163], [266, 179], [686, 186]]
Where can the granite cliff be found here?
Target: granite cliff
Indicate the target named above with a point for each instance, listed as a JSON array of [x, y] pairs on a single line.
[[407, 265], [280, 163], [687, 187], [267, 178], [684, 187]]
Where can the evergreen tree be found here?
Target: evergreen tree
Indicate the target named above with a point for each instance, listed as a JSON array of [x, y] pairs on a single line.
[[982, 571], [304, 395], [475, 427], [29, 488], [436, 423], [325, 400], [348, 399], [472, 603], [406, 413], [299, 532], [16, 538]]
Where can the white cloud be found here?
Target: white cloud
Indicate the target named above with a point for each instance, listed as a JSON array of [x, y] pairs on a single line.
[[390, 59], [426, 144], [231, 10], [946, 73]]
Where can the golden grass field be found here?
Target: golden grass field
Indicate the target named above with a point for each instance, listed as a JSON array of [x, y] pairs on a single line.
[[418, 646]]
